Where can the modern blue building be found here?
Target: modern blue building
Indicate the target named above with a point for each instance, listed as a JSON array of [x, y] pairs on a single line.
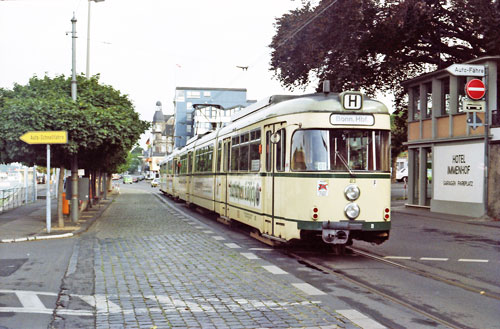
[[187, 99]]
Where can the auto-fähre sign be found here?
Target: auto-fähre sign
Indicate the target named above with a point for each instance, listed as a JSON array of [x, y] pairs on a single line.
[[466, 70], [45, 137]]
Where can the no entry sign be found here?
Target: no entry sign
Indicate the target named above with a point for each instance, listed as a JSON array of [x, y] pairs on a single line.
[[475, 89]]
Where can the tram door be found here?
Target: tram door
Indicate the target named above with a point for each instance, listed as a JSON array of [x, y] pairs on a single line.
[[275, 142], [224, 211]]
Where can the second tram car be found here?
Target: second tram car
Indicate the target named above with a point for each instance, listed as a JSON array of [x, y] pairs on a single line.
[[294, 167]]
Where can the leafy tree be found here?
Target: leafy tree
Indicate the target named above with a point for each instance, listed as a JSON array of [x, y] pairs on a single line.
[[374, 45], [102, 125]]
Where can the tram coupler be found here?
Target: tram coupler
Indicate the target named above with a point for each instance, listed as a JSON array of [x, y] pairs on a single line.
[[335, 233]]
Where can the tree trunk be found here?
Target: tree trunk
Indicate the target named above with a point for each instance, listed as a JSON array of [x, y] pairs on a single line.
[[60, 183]]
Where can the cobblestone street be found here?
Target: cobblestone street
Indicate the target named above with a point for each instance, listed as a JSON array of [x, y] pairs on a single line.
[[155, 267]]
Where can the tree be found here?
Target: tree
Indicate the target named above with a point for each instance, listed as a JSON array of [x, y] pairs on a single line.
[[374, 45], [102, 125]]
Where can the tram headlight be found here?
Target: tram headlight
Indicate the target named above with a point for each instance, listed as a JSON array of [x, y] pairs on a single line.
[[351, 210], [351, 192]]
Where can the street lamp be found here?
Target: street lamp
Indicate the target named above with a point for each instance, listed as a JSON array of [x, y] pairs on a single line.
[[87, 72]]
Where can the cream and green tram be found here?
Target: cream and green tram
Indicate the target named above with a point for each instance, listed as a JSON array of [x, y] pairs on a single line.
[[296, 167]]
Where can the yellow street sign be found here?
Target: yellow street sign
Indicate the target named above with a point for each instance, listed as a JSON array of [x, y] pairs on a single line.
[[45, 137]]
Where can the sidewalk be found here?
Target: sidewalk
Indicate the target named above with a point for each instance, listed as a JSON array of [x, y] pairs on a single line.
[[28, 222], [399, 206]]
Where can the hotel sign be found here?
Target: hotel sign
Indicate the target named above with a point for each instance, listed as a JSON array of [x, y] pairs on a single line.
[[458, 172]]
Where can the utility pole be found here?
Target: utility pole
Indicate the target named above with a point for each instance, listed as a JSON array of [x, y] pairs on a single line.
[[74, 164]]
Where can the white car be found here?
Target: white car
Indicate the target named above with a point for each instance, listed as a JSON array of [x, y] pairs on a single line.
[[155, 182]]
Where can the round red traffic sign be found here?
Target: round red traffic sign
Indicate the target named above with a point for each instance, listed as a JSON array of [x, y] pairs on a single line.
[[475, 89]]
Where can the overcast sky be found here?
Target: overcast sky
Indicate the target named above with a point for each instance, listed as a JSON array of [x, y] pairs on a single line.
[[145, 48]]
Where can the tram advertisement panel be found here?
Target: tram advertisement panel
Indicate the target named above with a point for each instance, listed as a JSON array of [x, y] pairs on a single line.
[[245, 192], [458, 172]]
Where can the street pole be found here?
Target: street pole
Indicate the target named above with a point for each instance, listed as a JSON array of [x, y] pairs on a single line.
[[48, 214], [486, 139], [87, 71], [74, 164]]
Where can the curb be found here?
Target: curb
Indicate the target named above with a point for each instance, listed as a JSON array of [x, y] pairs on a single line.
[[79, 231]]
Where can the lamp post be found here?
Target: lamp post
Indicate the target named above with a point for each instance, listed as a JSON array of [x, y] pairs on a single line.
[[87, 72]]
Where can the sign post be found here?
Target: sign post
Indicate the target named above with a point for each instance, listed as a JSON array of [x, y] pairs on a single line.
[[46, 137]]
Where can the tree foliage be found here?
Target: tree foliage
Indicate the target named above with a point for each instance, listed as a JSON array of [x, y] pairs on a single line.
[[374, 45], [102, 125]]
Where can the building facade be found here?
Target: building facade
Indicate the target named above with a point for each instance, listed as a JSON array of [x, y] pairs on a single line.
[[161, 142], [207, 105], [454, 154]]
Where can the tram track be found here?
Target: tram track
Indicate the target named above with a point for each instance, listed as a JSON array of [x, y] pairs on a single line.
[[377, 291], [426, 274]]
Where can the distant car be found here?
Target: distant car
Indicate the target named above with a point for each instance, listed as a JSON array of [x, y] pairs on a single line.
[[135, 179], [155, 182], [127, 179]]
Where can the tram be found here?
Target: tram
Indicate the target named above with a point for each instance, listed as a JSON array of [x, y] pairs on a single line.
[[314, 166]]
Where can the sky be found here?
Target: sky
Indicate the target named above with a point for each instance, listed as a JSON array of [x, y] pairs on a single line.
[[145, 48]]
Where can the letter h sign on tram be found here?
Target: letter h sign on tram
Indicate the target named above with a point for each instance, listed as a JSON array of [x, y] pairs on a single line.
[[351, 100]]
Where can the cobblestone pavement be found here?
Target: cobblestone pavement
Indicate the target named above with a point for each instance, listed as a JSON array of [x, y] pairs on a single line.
[[157, 268]]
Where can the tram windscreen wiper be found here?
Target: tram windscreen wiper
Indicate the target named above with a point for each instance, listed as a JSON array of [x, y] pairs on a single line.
[[344, 162]]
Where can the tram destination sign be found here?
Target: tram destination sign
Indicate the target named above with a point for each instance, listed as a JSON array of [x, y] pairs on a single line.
[[45, 137], [467, 70], [352, 119]]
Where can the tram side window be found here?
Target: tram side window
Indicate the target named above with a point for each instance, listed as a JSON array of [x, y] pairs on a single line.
[[255, 150], [244, 151], [183, 164], [235, 152], [281, 151], [176, 167], [189, 162]]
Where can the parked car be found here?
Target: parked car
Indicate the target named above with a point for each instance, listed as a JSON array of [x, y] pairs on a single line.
[[155, 182], [127, 179]]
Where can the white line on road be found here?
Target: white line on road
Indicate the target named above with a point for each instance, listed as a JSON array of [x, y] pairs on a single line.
[[232, 245], [274, 269], [219, 238], [30, 300], [434, 259], [308, 289], [473, 260], [360, 319], [398, 257], [249, 255]]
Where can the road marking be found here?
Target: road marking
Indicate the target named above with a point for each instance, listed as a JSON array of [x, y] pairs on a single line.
[[249, 255], [434, 259], [398, 257], [208, 232], [232, 245], [274, 269], [308, 289], [261, 249], [30, 300], [218, 238], [360, 319], [473, 260]]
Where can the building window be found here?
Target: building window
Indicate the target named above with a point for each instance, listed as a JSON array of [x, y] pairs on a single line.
[[416, 102], [445, 95], [189, 105], [188, 129], [428, 93], [461, 93], [206, 94], [192, 94]]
